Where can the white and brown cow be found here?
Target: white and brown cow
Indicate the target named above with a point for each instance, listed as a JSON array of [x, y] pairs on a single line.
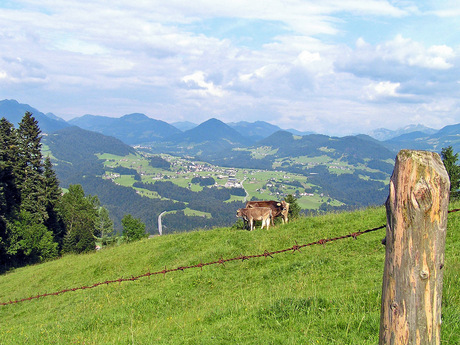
[[259, 213], [279, 208]]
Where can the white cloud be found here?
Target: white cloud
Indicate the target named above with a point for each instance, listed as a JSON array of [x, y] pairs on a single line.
[[382, 89], [91, 56], [197, 84], [406, 51]]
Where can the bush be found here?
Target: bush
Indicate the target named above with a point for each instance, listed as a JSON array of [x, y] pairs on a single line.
[[133, 228]]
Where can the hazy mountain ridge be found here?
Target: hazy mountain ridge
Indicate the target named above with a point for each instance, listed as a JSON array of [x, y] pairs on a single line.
[[14, 111], [383, 134], [210, 136], [353, 170], [133, 129]]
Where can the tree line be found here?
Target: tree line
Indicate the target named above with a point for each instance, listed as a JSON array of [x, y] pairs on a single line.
[[37, 221]]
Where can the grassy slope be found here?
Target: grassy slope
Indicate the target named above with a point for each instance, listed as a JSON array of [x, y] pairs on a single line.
[[325, 294]]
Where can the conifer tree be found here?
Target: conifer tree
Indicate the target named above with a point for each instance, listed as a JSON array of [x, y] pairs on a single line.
[[30, 168], [9, 192], [53, 196], [104, 225], [453, 170], [294, 208]]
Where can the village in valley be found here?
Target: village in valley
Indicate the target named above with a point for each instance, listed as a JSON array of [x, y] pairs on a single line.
[[257, 183]]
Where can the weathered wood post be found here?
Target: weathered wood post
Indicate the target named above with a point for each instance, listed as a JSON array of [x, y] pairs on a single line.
[[417, 208]]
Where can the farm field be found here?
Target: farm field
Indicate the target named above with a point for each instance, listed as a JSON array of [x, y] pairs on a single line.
[[322, 294], [262, 184]]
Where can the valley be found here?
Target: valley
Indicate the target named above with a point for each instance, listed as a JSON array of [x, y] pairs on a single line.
[[257, 183], [199, 176]]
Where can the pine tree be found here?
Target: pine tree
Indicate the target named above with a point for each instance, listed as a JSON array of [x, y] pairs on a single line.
[[453, 170], [30, 168], [9, 191], [294, 208], [104, 226], [52, 198]]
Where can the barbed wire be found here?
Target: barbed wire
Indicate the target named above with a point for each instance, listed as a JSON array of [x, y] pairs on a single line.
[[221, 261]]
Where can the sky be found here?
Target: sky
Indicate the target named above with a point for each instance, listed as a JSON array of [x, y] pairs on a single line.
[[335, 67]]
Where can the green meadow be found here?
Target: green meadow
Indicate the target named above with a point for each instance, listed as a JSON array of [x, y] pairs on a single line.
[[322, 294], [262, 184]]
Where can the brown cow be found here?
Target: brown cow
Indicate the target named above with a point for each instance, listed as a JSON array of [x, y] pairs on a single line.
[[279, 208], [259, 213]]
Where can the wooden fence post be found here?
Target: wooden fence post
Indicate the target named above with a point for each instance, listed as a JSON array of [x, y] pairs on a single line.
[[417, 208]]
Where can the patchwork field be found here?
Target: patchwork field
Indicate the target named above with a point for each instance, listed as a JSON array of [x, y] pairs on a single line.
[[262, 184]]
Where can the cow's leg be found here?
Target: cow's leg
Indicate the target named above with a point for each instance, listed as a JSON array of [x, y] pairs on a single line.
[[251, 223]]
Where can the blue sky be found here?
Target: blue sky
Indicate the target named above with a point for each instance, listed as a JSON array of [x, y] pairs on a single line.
[[336, 67]]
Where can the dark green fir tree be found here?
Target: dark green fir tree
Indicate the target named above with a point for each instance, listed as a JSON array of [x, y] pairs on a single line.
[[450, 162], [53, 194]]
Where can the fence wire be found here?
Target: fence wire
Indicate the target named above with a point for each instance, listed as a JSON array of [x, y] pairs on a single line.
[[221, 261]]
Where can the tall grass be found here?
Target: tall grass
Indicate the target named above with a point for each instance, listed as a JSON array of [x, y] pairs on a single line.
[[324, 294]]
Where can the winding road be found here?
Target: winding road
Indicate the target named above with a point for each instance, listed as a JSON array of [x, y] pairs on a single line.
[[160, 227]]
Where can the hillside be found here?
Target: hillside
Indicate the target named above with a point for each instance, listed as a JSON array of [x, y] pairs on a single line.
[[75, 161], [254, 130], [322, 294], [418, 140], [132, 129], [354, 170], [210, 136], [13, 111]]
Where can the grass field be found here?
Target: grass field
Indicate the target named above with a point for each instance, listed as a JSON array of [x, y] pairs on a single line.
[[255, 181], [324, 294]]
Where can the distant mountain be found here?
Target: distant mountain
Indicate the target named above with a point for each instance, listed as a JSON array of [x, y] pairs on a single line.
[[184, 125], [354, 149], [210, 136], [447, 136], [14, 111], [132, 129], [384, 134], [296, 132], [74, 141], [254, 131], [352, 169]]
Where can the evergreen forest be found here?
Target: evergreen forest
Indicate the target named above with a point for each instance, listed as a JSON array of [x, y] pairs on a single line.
[[37, 221]]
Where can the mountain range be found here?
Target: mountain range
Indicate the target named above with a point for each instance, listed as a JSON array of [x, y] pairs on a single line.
[[214, 135], [353, 170]]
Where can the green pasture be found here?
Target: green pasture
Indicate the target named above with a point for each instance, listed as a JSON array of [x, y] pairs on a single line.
[[322, 294]]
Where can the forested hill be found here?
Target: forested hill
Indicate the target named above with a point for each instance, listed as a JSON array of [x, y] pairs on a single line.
[[64, 144], [132, 128], [75, 150], [76, 162], [14, 111], [351, 148]]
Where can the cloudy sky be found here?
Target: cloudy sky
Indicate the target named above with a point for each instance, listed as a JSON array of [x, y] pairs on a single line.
[[336, 67]]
